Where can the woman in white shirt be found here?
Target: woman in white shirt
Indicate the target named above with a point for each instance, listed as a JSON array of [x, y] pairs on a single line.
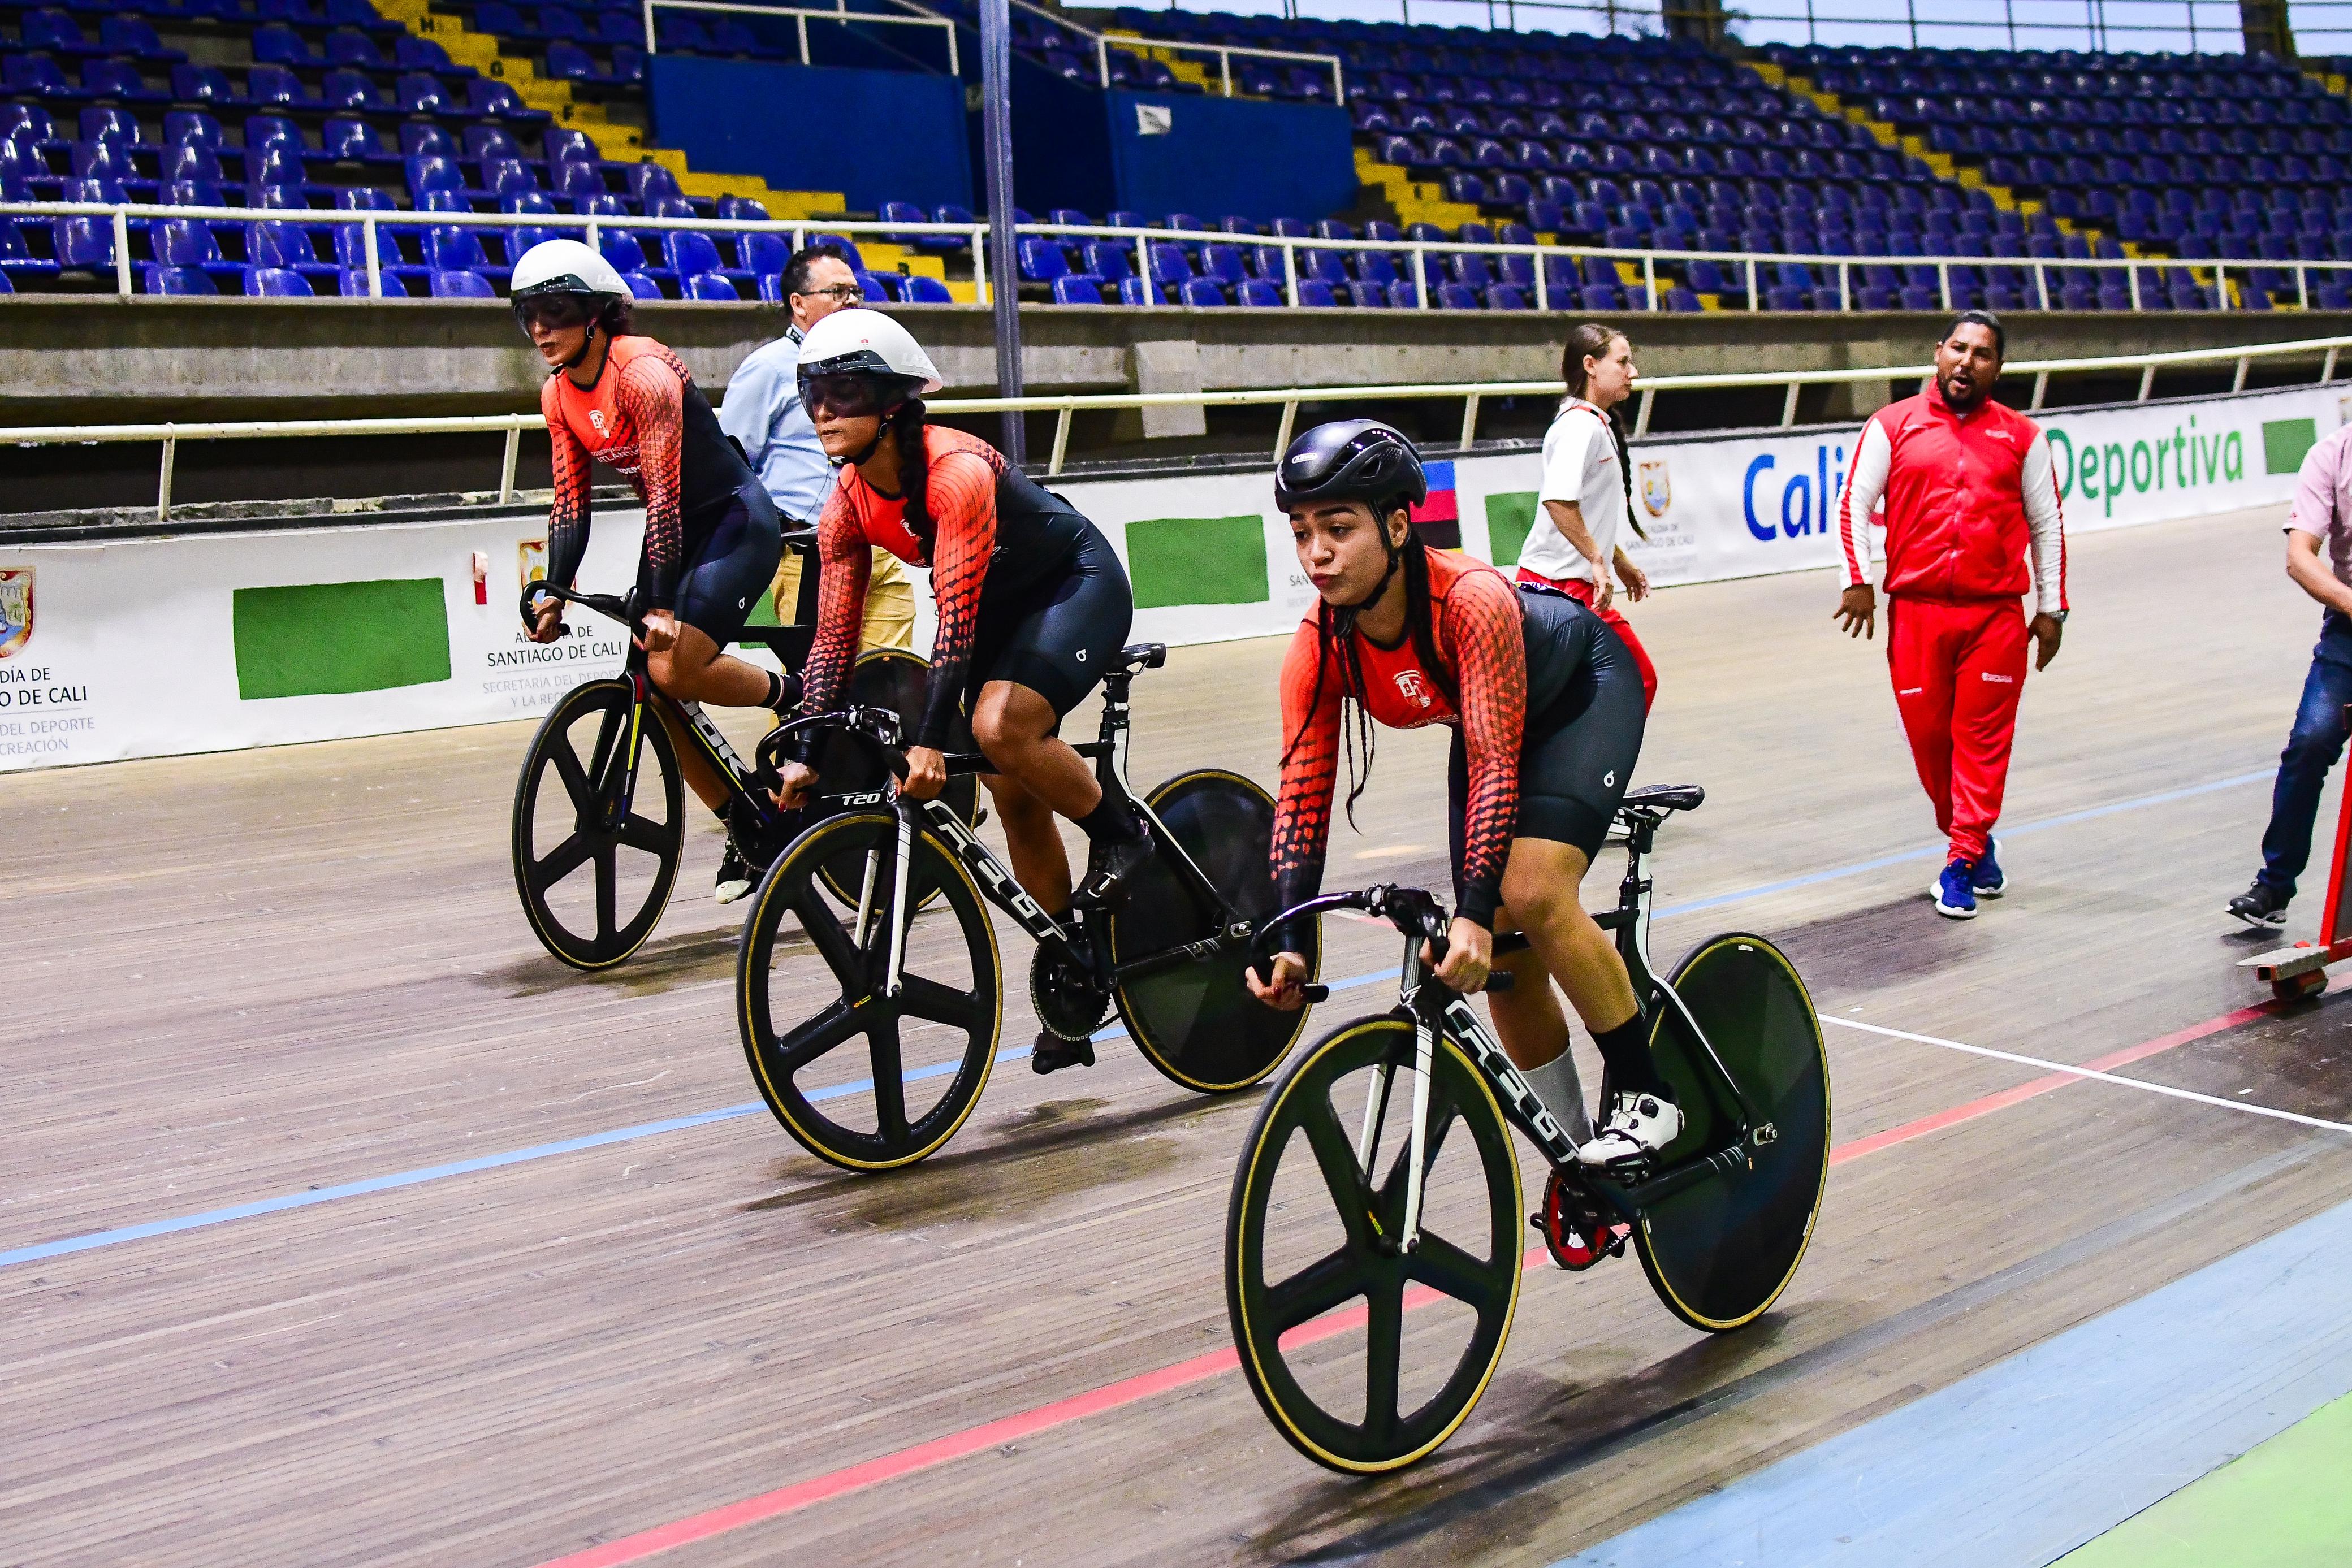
[[1588, 491]]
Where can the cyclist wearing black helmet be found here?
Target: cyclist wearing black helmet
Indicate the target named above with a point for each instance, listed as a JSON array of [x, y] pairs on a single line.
[[1033, 606], [712, 537], [1547, 709]]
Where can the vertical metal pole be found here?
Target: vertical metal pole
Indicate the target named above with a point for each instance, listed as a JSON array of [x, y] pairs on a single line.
[[2327, 370], [2009, 14], [803, 23], [1649, 285], [996, 142], [649, 26], [375, 266], [507, 473], [1290, 272], [164, 480], [1911, 10], [123, 259], [2146, 382]]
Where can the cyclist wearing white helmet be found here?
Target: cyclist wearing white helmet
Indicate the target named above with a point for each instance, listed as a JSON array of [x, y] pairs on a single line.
[[712, 537], [1033, 606]]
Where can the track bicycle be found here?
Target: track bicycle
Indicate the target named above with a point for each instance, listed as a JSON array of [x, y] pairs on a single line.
[[584, 797], [925, 994], [1372, 1267]]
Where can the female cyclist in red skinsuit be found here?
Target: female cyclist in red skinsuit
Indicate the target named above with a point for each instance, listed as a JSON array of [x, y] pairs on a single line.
[[1547, 709], [712, 537], [1033, 607]]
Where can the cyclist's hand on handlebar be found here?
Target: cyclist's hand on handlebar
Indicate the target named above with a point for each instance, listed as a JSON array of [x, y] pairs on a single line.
[[797, 779], [661, 631], [1283, 992], [1469, 955], [547, 624], [927, 773]]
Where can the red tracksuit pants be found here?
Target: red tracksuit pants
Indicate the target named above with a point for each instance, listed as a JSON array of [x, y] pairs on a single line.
[[1959, 668], [1581, 591]]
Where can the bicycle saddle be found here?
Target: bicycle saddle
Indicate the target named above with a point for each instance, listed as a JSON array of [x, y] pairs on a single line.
[[1666, 796], [1141, 656]]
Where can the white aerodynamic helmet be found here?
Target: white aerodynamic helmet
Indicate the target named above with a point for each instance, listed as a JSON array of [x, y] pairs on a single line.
[[564, 266], [866, 342]]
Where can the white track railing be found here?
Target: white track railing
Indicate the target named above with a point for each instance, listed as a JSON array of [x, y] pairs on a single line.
[[1135, 42], [1841, 275], [1290, 399], [802, 17]]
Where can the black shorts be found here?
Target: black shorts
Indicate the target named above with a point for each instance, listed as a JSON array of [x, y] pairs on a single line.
[[1056, 637], [733, 568], [1576, 756]]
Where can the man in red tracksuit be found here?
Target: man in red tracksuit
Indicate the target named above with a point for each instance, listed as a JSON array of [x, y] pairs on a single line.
[[1972, 523]]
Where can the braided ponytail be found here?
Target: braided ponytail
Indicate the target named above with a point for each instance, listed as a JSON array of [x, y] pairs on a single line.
[[906, 424]]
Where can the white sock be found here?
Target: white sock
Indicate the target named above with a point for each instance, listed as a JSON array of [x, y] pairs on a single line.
[[1555, 1083]]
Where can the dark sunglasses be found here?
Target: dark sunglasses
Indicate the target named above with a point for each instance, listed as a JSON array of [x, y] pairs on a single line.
[[852, 396], [561, 312]]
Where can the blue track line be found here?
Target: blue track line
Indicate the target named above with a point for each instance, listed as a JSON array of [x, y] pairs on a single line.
[[285, 1202]]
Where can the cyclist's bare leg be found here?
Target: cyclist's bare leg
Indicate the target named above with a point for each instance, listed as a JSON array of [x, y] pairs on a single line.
[[1039, 776], [1541, 885], [1032, 843], [692, 766], [693, 669], [1528, 1017]]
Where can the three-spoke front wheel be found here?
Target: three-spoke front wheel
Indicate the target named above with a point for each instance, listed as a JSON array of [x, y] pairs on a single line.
[[925, 1051], [1366, 1358], [594, 869]]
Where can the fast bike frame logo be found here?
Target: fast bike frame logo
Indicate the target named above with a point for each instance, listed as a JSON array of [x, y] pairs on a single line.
[[15, 609]]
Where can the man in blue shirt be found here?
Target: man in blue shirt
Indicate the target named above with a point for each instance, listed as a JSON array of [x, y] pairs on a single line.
[[762, 411]]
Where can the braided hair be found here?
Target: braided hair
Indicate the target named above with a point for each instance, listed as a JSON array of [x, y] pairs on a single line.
[[905, 425], [1592, 341], [1335, 629]]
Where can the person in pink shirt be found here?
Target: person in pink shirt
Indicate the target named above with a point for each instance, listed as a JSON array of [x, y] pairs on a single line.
[[2319, 559]]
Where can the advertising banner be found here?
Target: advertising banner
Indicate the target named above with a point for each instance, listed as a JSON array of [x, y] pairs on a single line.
[[151, 647]]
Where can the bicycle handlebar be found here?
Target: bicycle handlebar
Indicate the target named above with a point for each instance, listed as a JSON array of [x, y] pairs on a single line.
[[621, 607], [1413, 911]]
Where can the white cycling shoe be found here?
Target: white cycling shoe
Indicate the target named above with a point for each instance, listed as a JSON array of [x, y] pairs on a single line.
[[1638, 1126]]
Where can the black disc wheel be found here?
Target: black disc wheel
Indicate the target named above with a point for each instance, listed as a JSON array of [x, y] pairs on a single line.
[[1195, 1020], [895, 679], [811, 978], [1366, 1358], [594, 870], [1720, 1251]]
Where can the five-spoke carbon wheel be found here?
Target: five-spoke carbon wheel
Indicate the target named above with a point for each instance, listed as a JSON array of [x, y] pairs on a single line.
[[1720, 1251], [1195, 1021], [820, 963], [594, 878], [1364, 1357]]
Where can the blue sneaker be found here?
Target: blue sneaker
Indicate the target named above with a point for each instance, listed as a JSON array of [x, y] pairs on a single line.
[[1955, 898], [1988, 882]]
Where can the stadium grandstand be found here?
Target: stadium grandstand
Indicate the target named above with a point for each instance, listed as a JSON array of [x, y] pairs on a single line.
[[1486, 169]]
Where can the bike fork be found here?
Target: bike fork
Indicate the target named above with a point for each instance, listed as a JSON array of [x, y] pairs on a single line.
[[899, 913]]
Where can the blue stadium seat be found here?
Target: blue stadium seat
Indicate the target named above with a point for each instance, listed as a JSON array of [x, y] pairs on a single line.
[[462, 286], [1316, 294], [709, 286], [921, 290], [1201, 292], [1403, 295], [157, 279], [453, 249], [1043, 261], [276, 281], [1257, 293], [1072, 289], [690, 253]]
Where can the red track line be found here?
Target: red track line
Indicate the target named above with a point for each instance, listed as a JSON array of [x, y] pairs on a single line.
[[1200, 1368]]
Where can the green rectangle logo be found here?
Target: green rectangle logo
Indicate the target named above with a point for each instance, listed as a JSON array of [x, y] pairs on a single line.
[[2285, 442], [1197, 560], [1510, 517], [321, 638]]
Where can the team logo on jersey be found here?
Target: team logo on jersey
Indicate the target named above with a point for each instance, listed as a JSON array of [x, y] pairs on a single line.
[[597, 418], [15, 609], [1415, 689], [1657, 489]]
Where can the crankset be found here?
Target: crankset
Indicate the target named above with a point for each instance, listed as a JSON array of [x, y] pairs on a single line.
[[1576, 1230], [1070, 1001]]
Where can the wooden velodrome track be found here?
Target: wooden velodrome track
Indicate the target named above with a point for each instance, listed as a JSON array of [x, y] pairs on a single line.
[[264, 978]]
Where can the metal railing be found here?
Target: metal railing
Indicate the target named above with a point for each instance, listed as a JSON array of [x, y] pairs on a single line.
[[1290, 399], [1136, 43], [1841, 272], [802, 15]]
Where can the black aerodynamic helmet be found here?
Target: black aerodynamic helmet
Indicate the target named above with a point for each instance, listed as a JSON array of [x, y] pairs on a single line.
[[1351, 460]]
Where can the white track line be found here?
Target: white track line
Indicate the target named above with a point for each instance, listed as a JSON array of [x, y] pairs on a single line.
[[2140, 1084]]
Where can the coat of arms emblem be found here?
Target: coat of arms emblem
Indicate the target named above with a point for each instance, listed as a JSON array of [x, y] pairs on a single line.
[[1657, 490], [15, 609]]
